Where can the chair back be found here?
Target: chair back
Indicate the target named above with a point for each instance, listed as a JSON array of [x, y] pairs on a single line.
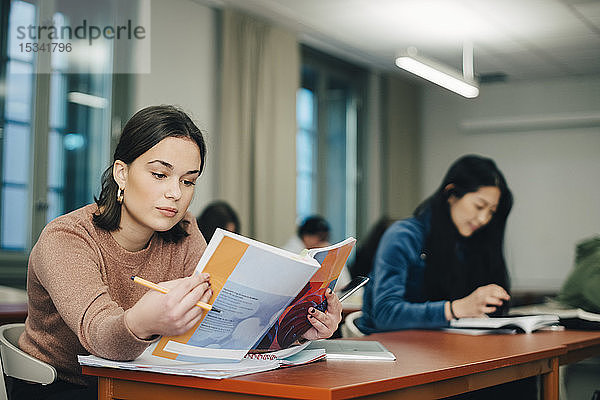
[[3, 394], [17, 363], [348, 329]]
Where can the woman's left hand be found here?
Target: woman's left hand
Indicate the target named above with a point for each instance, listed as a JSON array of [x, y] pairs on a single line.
[[324, 324]]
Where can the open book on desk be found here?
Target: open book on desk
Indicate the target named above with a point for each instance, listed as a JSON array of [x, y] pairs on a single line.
[[263, 294], [250, 364], [527, 323], [577, 318], [570, 318]]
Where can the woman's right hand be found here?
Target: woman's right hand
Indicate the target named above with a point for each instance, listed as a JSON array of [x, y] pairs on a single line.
[[169, 314], [484, 300]]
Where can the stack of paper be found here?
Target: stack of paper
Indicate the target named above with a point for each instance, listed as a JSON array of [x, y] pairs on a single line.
[[251, 364]]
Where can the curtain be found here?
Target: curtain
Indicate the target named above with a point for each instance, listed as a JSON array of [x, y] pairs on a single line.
[[256, 147]]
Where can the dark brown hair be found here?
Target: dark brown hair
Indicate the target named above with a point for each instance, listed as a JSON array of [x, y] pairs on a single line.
[[144, 130], [217, 215], [314, 225]]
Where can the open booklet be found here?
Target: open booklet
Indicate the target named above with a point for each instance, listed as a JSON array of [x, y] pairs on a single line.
[[527, 324], [263, 294]]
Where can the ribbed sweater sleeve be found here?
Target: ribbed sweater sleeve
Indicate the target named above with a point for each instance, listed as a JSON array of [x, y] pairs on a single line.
[[68, 268]]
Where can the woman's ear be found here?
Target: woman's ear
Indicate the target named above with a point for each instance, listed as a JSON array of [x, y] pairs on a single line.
[[449, 191], [120, 172]]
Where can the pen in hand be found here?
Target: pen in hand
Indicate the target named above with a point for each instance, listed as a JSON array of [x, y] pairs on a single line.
[[161, 289]]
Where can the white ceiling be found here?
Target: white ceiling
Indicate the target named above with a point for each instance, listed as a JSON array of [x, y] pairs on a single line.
[[524, 39]]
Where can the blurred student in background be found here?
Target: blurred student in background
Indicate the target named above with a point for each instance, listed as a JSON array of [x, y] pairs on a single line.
[[217, 214], [313, 232]]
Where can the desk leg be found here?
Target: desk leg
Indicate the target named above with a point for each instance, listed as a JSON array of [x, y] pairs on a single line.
[[105, 388], [550, 386]]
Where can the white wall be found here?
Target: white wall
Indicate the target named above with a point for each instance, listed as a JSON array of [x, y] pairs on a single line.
[[554, 174], [183, 73]]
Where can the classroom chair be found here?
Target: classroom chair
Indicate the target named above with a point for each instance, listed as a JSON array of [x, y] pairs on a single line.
[[18, 364], [348, 329]]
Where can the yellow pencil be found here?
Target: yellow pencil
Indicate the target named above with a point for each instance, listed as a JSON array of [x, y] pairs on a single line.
[[161, 289]]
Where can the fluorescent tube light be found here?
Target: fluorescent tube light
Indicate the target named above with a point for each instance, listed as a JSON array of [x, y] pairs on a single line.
[[87, 100], [438, 74]]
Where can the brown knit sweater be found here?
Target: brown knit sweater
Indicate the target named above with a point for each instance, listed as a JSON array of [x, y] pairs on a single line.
[[79, 287]]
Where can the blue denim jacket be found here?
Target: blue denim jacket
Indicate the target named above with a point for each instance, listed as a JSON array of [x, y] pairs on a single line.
[[394, 298]]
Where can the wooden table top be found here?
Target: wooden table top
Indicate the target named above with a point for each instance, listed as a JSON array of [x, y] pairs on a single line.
[[422, 357], [579, 344], [573, 339], [13, 305]]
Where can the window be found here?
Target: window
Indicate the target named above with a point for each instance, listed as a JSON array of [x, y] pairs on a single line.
[[55, 140], [306, 150], [17, 131], [329, 124]]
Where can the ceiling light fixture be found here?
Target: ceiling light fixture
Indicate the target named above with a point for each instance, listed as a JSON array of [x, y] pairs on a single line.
[[442, 75], [88, 100]]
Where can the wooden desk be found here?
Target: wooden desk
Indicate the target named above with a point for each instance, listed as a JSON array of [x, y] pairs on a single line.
[[579, 344], [430, 364], [13, 305], [10, 313]]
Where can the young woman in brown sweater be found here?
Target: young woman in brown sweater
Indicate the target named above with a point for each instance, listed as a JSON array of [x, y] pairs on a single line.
[[81, 297]]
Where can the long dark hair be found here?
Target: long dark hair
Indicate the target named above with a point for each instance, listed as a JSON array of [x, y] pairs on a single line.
[[455, 265], [217, 215], [144, 130], [367, 247]]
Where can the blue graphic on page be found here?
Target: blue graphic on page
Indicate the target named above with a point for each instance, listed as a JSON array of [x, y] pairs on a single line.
[[246, 314]]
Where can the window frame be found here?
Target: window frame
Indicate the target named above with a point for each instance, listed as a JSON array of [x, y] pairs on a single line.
[[329, 68], [13, 271]]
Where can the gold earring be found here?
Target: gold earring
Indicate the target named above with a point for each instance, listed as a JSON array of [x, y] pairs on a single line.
[[120, 196]]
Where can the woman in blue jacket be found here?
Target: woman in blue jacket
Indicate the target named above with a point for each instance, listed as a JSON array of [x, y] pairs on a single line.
[[446, 261]]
